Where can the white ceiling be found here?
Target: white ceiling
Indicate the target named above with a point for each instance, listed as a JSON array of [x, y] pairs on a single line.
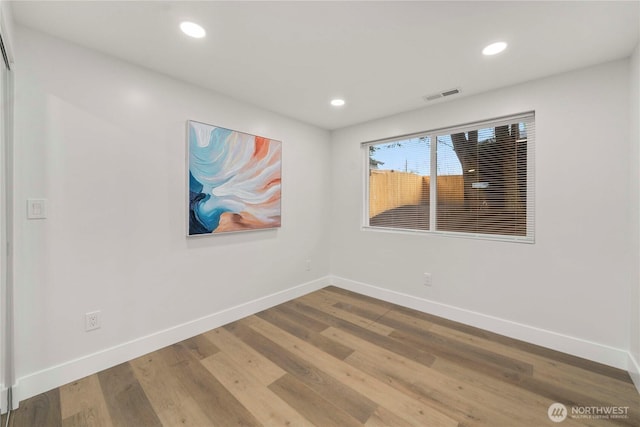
[[381, 57]]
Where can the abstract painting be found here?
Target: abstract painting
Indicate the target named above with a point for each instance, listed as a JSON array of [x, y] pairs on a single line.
[[234, 180]]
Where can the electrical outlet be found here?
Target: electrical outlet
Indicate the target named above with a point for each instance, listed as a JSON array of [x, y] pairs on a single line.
[[427, 279], [36, 208], [92, 320], [308, 265]]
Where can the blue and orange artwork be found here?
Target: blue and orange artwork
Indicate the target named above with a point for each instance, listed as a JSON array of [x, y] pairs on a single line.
[[234, 180]]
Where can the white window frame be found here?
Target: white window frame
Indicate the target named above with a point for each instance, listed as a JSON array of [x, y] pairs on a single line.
[[528, 118]]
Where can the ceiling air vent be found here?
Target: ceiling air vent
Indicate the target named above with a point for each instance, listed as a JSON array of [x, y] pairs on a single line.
[[441, 94]]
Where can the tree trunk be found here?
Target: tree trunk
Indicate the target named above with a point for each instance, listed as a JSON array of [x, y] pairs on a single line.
[[466, 149], [506, 137]]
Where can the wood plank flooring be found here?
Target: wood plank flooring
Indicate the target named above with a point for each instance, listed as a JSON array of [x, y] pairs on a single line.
[[335, 358]]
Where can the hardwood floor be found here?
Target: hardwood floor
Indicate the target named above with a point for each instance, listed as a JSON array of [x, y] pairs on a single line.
[[335, 358]]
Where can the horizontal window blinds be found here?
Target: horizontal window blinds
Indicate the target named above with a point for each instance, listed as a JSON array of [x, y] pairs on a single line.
[[472, 180], [399, 179]]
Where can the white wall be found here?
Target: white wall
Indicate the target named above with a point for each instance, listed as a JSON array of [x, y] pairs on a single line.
[[6, 99], [104, 142], [570, 289], [634, 363]]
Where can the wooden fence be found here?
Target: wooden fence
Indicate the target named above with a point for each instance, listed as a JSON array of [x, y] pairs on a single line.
[[391, 189]]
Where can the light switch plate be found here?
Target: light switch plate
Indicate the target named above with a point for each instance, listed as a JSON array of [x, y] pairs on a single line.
[[36, 208]]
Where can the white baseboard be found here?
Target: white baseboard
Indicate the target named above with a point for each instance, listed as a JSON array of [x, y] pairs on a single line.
[[55, 376], [633, 367], [575, 346], [3, 399]]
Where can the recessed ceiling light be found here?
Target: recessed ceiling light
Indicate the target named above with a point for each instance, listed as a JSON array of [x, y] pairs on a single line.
[[337, 102], [193, 30], [494, 48]]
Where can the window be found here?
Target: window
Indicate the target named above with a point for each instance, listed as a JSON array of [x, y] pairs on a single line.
[[471, 180]]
